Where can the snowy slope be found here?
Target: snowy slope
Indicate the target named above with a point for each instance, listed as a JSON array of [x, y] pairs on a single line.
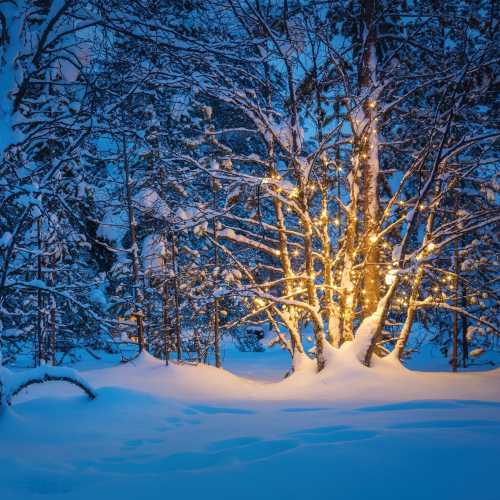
[[197, 432], [345, 379]]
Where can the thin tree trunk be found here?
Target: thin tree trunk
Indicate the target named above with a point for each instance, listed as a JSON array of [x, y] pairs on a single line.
[[197, 345], [39, 274], [319, 334], [137, 293], [284, 257], [302, 182], [456, 318], [337, 326], [286, 263], [289, 276], [465, 343], [53, 313], [167, 329], [347, 281], [410, 316], [178, 338], [405, 331], [329, 307], [216, 316]]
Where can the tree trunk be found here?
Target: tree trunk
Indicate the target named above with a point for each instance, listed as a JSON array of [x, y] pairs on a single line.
[[216, 316], [410, 316], [178, 336], [465, 344], [405, 331], [137, 293], [53, 313], [166, 323], [369, 163], [39, 275], [456, 316], [347, 281]]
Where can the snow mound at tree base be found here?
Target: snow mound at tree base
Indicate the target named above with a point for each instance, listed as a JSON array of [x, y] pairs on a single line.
[[343, 379]]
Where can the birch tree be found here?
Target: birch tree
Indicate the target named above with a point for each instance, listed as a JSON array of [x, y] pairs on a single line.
[[388, 157]]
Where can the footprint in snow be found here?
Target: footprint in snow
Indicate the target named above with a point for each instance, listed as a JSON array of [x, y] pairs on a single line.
[[332, 434], [240, 450], [49, 485], [303, 410], [232, 443], [445, 424], [134, 443], [178, 422], [428, 405], [215, 410], [173, 420]]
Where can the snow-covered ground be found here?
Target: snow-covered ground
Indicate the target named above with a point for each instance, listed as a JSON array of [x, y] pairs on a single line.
[[192, 432]]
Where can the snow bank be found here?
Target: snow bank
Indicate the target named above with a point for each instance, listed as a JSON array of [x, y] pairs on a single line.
[[343, 379], [156, 428]]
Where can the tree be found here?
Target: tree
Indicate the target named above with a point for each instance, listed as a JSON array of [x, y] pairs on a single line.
[[393, 194], [325, 168]]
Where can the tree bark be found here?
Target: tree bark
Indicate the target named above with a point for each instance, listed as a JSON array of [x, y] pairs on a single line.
[[216, 316], [53, 313], [137, 293], [39, 275], [178, 336], [465, 342], [369, 163], [167, 327], [456, 318]]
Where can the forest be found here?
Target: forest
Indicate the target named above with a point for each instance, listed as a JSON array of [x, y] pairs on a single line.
[[186, 184], [172, 171]]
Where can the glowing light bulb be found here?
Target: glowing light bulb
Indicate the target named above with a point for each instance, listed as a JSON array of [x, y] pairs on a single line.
[[390, 277]]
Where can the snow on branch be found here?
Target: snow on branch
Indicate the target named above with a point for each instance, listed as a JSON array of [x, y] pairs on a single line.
[[12, 384]]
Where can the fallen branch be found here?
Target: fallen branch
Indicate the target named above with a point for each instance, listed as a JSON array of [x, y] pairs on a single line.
[[14, 383]]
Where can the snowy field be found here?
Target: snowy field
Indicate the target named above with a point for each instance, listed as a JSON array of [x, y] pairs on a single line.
[[304, 175], [157, 432]]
